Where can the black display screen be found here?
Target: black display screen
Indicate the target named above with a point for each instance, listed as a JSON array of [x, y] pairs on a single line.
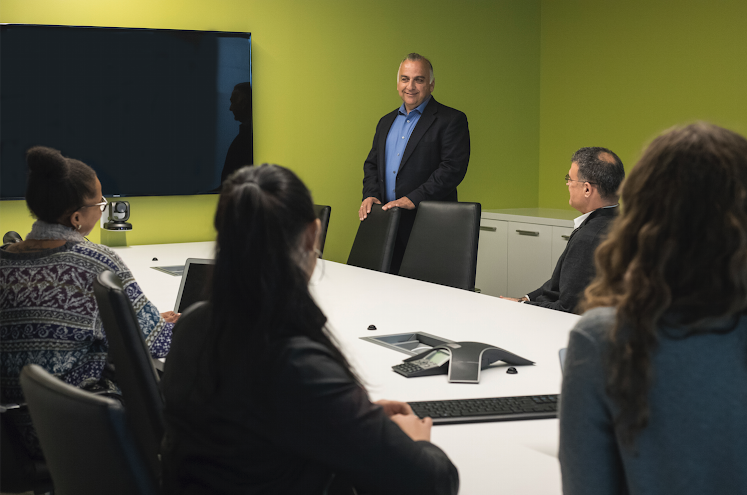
[[147, 109], [196, 285]]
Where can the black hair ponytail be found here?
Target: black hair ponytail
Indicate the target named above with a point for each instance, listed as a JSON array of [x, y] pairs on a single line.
[[259, 289]]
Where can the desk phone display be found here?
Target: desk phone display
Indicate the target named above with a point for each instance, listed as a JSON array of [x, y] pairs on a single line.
[[462, 361]]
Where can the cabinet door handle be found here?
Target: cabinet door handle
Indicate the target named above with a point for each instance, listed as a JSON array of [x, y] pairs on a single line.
[[566, 237], [528, 232], [489, 229]]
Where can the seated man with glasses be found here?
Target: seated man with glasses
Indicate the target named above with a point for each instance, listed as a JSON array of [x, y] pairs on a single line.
[[593, 182]]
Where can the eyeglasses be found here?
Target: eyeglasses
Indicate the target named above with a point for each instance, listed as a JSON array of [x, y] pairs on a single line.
[[102, 205], [568, 179]]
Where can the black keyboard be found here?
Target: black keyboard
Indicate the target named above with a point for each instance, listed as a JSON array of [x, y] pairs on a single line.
[[446, 412]]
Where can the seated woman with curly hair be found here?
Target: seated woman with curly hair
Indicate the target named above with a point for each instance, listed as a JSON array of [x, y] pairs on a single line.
[[655, 384]]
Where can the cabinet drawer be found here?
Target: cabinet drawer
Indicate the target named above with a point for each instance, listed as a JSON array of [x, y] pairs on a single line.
[[560, 237], [529, 255], [492, 258]]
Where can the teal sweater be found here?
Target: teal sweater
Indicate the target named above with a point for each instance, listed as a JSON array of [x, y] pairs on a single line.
[[696, 439]]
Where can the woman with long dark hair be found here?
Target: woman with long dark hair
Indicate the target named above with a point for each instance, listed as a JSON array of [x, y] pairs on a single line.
[[48, 312], [259, 399], [655, 384]]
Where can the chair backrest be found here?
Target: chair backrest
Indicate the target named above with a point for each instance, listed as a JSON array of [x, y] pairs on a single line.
[[443, 244], [10, 237], [85, 438], [323, 212], [18, 471], [134, 370], [374, 242]]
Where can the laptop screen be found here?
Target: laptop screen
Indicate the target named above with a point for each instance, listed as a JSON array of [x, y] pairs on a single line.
[[195, 285]]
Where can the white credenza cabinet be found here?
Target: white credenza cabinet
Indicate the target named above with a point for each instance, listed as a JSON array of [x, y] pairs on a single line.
[[519, 248]]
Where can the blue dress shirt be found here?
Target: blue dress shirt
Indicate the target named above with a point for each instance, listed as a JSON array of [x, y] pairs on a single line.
[[396, 141]]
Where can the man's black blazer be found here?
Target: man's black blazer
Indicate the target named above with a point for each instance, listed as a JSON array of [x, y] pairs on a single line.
[[435, 159], [575, 268]]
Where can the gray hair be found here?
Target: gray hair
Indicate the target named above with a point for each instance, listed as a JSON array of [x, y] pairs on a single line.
[[416, 57], [595, 168]]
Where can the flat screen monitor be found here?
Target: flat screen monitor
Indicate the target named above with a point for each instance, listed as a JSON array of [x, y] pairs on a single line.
[[152, 111]]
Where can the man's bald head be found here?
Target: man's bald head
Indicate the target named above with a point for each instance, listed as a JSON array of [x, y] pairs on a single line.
[[602, 168]]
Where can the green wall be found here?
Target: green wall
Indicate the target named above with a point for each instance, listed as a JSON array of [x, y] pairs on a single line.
[[616, 74], [324, 73], [537, 80]]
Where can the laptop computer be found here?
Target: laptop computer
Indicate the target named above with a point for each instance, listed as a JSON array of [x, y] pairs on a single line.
[[196, 282]]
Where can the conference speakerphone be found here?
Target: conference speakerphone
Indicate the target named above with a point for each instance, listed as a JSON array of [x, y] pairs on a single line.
[[449, 412], [432, 355], [434, 363], [462, 361]]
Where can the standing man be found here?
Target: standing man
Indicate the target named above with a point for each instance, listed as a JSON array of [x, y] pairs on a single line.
[[420, 152], [593, 181]]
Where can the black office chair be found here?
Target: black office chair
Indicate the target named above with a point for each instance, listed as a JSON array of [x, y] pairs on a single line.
[[443, 244], [10, 237], [133, 365], [19, 473], [86, 439], [374, 241], [323, 213]]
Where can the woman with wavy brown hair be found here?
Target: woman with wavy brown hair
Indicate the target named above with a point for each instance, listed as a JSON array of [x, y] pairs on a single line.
[[655, 385]]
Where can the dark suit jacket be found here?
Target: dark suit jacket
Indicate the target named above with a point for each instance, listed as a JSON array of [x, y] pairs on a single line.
[[240, 153], [434, 163], [575, 267], [281, 422]]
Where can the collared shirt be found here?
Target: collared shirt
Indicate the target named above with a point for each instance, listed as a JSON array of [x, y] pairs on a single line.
[[579, 220], [396, 142]]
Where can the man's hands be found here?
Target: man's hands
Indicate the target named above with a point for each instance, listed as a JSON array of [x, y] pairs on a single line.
[[514, 299], [365, 208], [403, 202]]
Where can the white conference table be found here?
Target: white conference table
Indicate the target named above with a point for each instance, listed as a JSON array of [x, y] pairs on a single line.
[[505, 457]]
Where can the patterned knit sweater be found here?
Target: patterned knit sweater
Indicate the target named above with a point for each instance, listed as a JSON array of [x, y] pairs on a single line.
[[49, 316]]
